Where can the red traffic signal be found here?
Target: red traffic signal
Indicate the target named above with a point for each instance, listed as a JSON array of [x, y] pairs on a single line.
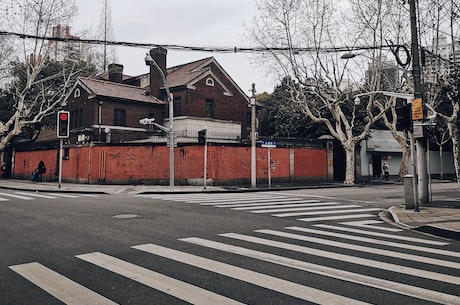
[[63, 124]]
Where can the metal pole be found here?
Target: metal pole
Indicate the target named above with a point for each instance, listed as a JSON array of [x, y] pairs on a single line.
[[60, 162], [418, 93], [205, 172], [414, 172], [269, 170], [253, 137], [171, 141]]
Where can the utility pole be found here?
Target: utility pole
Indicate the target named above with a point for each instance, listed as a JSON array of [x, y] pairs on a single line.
[[253, 137], [422, 177]]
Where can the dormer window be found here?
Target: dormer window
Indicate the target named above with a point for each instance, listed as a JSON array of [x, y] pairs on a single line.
[[76, 93], [209, 82]]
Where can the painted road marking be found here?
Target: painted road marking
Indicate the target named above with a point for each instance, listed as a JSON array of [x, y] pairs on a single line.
[[163, 283], [412, 291], [62, 288], [256, 278], [349, 259]]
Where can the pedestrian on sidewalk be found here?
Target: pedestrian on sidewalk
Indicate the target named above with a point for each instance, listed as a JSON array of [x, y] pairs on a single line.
[[386, 170], [37, 174]]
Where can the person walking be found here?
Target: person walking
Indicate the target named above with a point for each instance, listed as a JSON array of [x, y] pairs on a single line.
[[386, 170], [37, 175]]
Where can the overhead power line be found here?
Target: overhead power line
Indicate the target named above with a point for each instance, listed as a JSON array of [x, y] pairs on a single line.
[[192, 48]]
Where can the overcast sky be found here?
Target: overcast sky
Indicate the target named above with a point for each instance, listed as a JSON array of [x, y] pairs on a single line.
[[210, 23]]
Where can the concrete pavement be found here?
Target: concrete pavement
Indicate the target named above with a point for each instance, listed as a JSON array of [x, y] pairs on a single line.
[[440, 217]]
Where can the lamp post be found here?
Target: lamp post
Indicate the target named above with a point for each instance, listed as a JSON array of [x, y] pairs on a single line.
[[253, 137], [151, 62]]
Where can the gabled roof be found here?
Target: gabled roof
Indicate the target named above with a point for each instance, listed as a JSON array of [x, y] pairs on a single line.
[[190, 73], [117, 90], [183, 75]]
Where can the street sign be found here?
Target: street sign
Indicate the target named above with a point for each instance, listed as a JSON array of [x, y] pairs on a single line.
[[268, 144], [417, 109]]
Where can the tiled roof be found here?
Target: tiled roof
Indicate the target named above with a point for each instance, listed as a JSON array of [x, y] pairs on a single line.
[[184, 74], [117, 90]]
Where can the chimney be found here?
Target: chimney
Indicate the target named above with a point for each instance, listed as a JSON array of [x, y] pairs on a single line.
[[156, 79], [115, 73]]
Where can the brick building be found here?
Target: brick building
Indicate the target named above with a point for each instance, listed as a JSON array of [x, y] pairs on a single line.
[[108, 109]]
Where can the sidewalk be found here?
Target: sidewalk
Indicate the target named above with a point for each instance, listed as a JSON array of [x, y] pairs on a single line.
[[440, 217]]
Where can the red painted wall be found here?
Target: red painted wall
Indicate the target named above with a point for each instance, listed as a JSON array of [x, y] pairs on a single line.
[[150, 164]]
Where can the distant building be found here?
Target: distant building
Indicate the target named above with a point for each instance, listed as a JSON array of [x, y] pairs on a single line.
[[63, 49]]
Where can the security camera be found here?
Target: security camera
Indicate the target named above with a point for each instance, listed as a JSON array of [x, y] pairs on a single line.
[[146, 121], [148, 59], [357, 101]]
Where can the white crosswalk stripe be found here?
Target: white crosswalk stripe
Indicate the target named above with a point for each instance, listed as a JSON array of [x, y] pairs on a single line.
[[16, 196], [348, 258], [36, 195], [408, 260], [22, 195], [179, 289], [276, 284], [371, 224], [405, 289], [59, 286], [277, 204]]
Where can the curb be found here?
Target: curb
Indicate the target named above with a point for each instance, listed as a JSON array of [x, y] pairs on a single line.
[[429, 229], [451, 234]]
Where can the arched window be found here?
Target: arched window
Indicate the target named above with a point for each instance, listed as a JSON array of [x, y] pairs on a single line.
[[76, 93], [210, 82]]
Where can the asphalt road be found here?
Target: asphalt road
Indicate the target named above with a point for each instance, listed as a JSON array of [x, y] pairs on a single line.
[[292, 247]]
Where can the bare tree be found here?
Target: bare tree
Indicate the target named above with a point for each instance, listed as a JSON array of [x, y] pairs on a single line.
[[36, 94], [385, 22], [106, 54], [441, 136], [441, 71], [308, 32]]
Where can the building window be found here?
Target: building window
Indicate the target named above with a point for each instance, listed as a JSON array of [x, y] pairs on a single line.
[[76, 119], [119, 117], [76, 93], [209, 108], [177, 110], [209, 82], [80, 118]]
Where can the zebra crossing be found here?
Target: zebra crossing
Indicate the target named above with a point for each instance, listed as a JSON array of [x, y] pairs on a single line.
[[7, 196], [398, 261], [301, 207]]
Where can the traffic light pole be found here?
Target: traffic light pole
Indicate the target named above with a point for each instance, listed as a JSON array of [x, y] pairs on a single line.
[[60, 162]]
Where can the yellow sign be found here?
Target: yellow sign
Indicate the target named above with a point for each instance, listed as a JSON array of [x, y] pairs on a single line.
[[417, 109]]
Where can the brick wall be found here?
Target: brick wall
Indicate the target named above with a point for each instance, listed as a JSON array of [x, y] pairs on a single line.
[[148, 164]]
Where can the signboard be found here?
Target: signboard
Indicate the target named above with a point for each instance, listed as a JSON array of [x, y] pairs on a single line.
[[269, 144], [417, 109], [418, 131]]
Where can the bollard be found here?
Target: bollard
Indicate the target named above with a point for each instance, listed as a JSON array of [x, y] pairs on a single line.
[[409, 191]]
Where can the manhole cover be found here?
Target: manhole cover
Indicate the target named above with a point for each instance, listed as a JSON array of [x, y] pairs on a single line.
[[126, 216]]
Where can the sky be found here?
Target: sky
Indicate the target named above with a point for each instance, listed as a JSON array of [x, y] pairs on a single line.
[[209, 23]]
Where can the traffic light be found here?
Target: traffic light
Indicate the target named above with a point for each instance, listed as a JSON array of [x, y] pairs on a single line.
[[202, 136], [63, 124], [404, 117]]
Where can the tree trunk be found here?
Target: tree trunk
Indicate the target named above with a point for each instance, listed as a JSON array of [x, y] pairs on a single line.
[[455, 134], [441, 163], [350, 164], [402, 141]]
